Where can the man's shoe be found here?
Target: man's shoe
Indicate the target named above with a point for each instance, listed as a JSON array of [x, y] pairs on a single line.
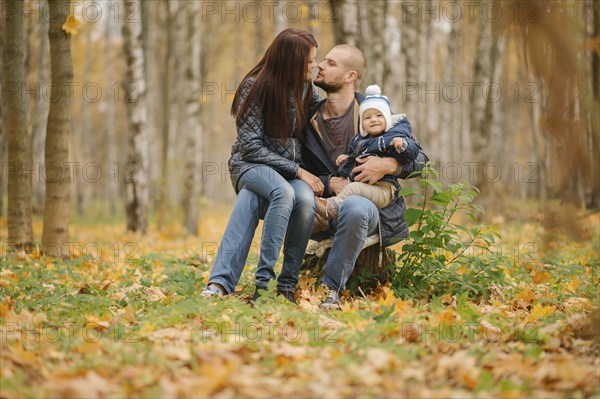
[[332, 301], [290, 295], [212, 290]]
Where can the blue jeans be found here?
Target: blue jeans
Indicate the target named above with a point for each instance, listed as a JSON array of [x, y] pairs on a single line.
[[288, 209], [358, 218]]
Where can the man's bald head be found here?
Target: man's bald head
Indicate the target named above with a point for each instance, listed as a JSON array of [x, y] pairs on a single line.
[[353, 59]]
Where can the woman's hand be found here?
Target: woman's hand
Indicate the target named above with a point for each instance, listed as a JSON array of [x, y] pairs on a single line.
[[313, 181]]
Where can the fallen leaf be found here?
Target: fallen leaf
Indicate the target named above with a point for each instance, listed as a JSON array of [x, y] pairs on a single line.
[[71, 25]]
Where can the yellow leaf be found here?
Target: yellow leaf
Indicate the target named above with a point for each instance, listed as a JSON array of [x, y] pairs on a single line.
[[146, 329], [573, 285], [524, 298], [305, 282], [447, 318], [346, 307], [389, 300], [71, 24], [540, 277], [540, 311], [5, 308]]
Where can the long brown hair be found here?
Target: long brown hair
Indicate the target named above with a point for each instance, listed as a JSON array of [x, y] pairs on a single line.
[[281, 70]]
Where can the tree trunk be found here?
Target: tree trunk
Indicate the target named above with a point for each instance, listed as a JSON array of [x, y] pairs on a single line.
[[178, 109], [410, 57], [449, 115], [111, 186], [280, 21], [3, 130], [55, 235], [593, 199], [345, 28], [41, 108], [193, 121], [372, 41], [369, 269], [259, 40], [168, 82], [392, 67], [482, 108], [136, 179], [85, 142], [19, 221]]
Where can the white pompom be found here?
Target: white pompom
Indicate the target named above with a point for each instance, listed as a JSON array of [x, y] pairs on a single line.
[[373, 90]]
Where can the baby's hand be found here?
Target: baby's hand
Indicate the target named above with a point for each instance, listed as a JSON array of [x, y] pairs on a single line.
[[398, 143], [341, 159]]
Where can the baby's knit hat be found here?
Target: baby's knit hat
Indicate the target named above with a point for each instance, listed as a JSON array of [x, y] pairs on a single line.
[[375, 100]]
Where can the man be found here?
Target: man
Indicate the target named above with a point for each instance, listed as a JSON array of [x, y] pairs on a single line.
[[333, 123]]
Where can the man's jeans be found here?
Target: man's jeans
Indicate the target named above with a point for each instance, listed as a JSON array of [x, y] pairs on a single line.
[[358, 218], [288, 209]]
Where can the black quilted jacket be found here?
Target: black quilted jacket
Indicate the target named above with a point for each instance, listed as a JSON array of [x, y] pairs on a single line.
[[253, 147]]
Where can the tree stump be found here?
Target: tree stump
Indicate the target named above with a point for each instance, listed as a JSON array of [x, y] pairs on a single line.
[[369, 270]]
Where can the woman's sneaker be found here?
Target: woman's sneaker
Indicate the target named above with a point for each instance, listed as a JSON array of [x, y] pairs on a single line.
[[332, 301], [213, 289]]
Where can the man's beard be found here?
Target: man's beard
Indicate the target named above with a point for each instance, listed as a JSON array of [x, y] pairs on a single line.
[[330, 88]]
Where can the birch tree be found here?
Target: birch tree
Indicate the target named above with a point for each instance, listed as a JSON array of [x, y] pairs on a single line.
[[42, 105], [19, 218], [136, 179], [55, 234], [111, 191], [372, 41], [481, 115], [594, 197], [3, 130], [409, 51], [345, 28], [193, 120]]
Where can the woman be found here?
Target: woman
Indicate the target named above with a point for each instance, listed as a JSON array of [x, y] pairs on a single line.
[[270, 108]]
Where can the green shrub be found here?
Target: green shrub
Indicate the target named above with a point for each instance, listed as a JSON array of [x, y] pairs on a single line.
[[440, 256]]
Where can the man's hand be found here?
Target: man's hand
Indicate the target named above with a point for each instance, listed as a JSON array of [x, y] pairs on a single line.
[[372, 169], [337, 184]]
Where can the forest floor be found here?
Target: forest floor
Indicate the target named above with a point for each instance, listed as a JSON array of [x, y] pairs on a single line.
[[125, 319]]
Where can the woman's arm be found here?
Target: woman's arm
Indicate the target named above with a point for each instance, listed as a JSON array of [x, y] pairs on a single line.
[[250, 131]]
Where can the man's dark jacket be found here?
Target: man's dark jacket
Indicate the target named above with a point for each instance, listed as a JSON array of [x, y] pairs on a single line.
[[392, 226]]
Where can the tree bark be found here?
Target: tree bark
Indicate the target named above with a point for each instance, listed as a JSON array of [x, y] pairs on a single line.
[[169, 105], [410, 56], [345, 27], [136, 179], [372, 41], [482, 108], [55, 235], [20, 232], [593, 200], [193, 121], [111, 188], [3, 129], [41, 108], [86, 140]]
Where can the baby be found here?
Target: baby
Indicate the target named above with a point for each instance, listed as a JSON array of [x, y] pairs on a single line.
[[376, 137]]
